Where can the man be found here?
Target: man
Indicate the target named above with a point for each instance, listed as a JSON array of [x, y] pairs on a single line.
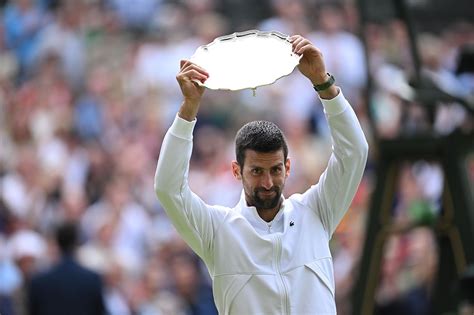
[[267, 255], [67, 288]]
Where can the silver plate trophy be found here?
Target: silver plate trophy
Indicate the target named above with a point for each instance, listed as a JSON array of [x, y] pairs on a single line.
[[246, 60]]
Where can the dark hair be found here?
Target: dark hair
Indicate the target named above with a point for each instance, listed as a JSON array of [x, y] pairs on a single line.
[[67, 237], [260, 136]]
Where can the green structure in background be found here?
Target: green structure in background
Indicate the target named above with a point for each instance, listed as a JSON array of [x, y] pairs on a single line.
[[454, 227]]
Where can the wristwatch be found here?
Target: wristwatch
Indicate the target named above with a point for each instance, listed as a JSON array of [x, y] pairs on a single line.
[[326, 85]]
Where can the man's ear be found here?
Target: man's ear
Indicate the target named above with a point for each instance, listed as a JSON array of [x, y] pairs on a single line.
[[287, 167], [236, 171]]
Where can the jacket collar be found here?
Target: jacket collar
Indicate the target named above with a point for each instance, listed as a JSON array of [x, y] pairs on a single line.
[[251, 214]]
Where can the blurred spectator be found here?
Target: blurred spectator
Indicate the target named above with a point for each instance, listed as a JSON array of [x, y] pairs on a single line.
[[408, 274], [465, 67], [11, 279], [211, 177], [23, 21], [196, 293], [136, 15], [28, 250], [131, 224], [88, 112], [157, 298], [21, 191], [244, 15], [289, 18], [67, 288], [64, 39], [432, 52], [343, 51], [8, 60]]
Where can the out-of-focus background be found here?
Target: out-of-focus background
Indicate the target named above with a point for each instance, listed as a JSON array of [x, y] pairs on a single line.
[[87, 91]]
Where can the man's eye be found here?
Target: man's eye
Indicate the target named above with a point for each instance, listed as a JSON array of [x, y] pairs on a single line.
[[277, 170], [256, 171]]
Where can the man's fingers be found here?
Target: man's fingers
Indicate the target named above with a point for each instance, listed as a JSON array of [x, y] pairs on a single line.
[[296, 42], [187, 65], [184, 63], [308, 48], [195, 72], [192, 74], [199, 69], [298, 45], [294, 37]]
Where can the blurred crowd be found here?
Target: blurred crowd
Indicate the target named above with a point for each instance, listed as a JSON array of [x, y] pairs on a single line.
[[87, 91]]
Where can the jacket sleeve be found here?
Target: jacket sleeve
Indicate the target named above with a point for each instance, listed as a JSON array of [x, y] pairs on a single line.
[[193, 219], [332, 195]]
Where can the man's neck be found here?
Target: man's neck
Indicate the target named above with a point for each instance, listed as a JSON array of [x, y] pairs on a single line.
[[268, 215]]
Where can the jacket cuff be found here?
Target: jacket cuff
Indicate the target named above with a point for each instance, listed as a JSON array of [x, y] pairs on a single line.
[[182, 128], [335, 105]]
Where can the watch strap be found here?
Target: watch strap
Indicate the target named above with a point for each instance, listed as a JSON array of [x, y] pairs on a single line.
[[326, 85]]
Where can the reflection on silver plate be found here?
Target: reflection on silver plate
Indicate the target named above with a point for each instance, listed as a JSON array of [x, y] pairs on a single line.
[[246, 60]]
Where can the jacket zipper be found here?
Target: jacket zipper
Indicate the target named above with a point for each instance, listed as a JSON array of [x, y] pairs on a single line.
[[286, 304]]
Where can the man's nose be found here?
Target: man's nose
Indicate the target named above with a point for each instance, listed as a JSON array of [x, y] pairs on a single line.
[[267, 181]]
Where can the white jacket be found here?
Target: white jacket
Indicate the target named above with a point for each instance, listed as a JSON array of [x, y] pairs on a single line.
[[257, 268]]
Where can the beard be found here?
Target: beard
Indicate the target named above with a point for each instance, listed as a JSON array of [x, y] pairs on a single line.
[[266, 202]]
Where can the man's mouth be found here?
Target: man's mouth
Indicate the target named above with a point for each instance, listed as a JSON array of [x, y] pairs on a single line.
[[267, 193]]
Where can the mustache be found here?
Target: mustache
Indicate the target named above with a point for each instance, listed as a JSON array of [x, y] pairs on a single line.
[[261, 189]]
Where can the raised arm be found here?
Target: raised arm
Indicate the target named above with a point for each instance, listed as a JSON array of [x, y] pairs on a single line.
[[193, 219], [333, 194]]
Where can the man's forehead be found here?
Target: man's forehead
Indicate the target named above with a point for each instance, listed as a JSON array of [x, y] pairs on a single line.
[[273, 158]]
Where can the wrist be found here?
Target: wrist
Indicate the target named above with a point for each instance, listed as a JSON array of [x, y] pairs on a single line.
[[320, 78], [326, 89], [329, 93], [189, 109], [191, 102]]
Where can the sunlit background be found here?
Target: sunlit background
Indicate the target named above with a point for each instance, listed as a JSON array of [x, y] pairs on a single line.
[[88, 89]]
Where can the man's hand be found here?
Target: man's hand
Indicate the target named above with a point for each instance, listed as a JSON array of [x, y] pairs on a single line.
[[188, 74], [192, 91], [312, 64]]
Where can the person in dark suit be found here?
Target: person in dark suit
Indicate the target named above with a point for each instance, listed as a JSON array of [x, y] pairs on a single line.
[[67, 288]]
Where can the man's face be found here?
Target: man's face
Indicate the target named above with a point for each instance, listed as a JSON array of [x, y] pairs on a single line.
[[263, 177]]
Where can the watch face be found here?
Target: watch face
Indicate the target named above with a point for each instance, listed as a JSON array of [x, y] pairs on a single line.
[[246, 60]]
